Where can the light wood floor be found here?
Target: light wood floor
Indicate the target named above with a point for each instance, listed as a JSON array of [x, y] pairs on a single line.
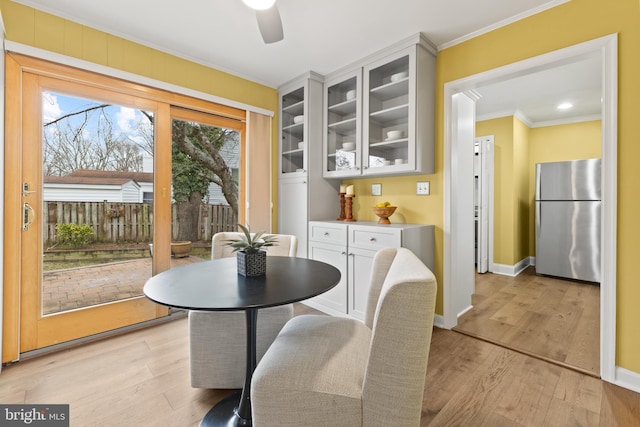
[[141, 379], [556, 319]]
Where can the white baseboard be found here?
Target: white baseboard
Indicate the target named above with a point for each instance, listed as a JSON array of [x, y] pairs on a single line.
[[627, 379], [438, 321], [513, 270]]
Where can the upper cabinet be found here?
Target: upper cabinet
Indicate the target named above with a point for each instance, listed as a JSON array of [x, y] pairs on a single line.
[[379, 117], [293, 154], [342, 125]]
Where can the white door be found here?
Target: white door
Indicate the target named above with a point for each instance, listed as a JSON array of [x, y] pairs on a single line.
[[484, 202], [335, 255], [359, 266]]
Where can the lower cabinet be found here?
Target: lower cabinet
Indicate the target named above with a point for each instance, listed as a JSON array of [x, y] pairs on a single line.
[[350, 247]]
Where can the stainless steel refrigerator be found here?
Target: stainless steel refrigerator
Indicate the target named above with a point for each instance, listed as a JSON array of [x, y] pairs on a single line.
[[568, 214]]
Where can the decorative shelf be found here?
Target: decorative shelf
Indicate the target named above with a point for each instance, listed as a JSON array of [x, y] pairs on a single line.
[[391, 114], [391, 90], [346, 107]]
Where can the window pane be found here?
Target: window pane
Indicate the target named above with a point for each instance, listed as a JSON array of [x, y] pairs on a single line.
[[97, 201], [205, 171]]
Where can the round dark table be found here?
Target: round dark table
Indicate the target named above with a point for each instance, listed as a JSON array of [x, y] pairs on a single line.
[[216, 286]]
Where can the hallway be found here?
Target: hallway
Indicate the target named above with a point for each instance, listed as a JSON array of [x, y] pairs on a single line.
[[553, 319]]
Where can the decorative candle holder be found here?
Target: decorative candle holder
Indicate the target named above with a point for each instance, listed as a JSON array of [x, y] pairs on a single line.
[[349, 207], [342, 204]]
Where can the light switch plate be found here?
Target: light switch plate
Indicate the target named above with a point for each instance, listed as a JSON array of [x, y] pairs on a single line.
[[376, 189], [422, 188]]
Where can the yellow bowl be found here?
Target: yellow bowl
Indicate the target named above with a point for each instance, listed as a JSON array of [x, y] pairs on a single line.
[[384, 213]]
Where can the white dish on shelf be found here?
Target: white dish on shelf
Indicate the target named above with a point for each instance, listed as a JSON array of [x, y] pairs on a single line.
[[351, 95], [395, 134], [301, 144], [399, 161], [386, 162], [399, 76], [348, 146], [300, 170], [298, 119]]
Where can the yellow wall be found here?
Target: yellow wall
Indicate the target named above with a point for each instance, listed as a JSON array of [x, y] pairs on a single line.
[[520, 191], [503, 165], [41, 30]]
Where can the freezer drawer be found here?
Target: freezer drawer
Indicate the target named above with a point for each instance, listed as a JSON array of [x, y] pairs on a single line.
[[573, 180], [568, 239]]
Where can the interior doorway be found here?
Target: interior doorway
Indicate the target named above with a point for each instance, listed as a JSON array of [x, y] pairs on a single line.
[[456, 290]]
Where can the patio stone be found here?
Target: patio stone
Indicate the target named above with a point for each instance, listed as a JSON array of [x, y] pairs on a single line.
[[98, 284]]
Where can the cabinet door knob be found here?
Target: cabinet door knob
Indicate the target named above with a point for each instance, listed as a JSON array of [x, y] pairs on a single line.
[[326, 233], [357, 168], [343, 253], [372, 239], [366, 167]]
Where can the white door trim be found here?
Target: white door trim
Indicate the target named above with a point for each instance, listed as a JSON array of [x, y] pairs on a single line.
[[485, 204], [608, 47]]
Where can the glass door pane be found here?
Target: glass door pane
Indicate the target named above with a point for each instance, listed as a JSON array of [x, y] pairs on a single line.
[[343, 128], [293, 145], [97, 201], [205, 173], [389, 114]]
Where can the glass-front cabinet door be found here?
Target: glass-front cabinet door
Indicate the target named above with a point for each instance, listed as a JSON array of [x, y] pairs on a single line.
[[389, 115], [292, 144], [342, 118]]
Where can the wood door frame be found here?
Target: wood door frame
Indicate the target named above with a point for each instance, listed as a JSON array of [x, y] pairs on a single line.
[[16, 65]]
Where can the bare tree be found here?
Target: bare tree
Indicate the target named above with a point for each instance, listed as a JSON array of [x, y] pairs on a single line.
[[71, 146]]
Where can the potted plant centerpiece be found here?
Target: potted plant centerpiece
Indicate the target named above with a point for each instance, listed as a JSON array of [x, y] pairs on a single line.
[[252, 259]]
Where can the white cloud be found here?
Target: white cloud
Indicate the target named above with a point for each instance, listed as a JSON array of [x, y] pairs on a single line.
[[50, 108], [127, 118]]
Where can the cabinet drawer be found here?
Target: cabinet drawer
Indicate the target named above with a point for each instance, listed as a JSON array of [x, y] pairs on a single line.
[[374, 238], [329, 233]]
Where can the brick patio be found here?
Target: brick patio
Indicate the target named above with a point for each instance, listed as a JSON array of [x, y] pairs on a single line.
[[74, 288]]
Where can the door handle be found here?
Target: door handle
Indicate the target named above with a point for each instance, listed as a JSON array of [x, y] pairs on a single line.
[[28, 215]]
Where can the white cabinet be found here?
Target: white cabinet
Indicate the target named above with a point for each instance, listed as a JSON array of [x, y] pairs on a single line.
[[350, 248], [303, 193], [342, 124], [390, 119]]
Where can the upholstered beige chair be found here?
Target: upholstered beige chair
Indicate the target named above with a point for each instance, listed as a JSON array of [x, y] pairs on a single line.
[[217, 340], [331, 371]]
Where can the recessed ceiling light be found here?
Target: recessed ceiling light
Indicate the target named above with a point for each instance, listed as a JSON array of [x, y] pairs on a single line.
[[565, 106]]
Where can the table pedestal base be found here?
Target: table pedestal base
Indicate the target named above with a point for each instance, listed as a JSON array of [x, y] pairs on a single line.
[[224, 413]]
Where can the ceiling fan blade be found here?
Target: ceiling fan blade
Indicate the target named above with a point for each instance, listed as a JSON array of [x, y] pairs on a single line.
[[270, 24]]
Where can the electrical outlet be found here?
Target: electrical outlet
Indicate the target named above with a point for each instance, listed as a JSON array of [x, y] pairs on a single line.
[[376, 189], [422, 188]]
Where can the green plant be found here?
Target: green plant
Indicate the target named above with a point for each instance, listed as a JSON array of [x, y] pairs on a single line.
[[248, 243], [75, 235]]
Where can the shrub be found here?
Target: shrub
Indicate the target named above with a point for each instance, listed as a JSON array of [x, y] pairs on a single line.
[[75, 235]]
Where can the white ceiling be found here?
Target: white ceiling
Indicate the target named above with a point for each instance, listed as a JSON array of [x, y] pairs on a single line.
[[319, 35]]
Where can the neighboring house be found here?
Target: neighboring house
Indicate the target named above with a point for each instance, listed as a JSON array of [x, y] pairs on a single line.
[[89, 185], [86, 185]]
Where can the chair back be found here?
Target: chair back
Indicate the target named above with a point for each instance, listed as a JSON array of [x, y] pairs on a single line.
[[287, 245], [401, 303]]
